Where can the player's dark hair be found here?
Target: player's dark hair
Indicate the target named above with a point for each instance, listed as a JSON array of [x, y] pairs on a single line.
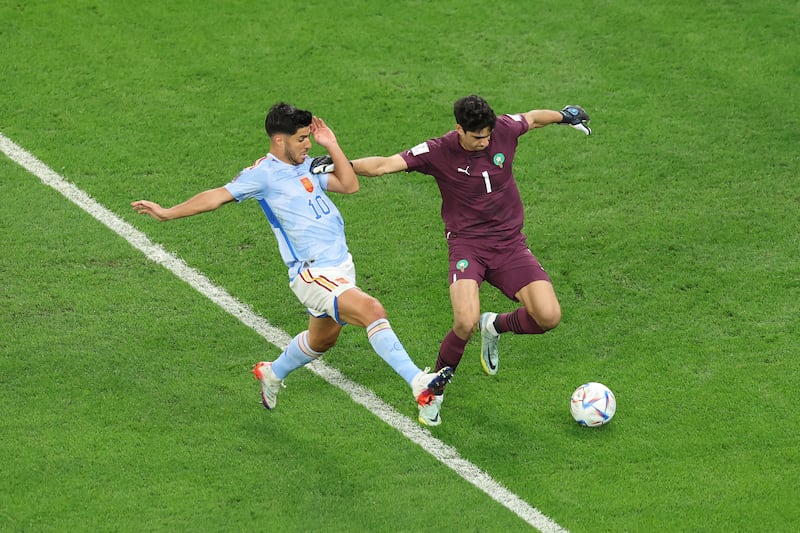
[[285, 118], [473, 113]]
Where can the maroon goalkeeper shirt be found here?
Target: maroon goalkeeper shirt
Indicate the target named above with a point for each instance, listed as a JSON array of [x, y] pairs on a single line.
[[479, 195]]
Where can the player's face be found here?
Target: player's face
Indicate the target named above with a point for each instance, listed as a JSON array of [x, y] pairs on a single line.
[[296, 147], [474, 141]]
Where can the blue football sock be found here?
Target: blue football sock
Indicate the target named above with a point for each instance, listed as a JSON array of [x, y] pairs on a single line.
[[387, 345], [297, 354]]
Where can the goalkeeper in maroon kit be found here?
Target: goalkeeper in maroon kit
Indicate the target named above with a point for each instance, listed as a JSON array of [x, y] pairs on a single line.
[[483, 219]]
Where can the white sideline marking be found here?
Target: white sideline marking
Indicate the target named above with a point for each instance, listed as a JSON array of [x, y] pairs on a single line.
[[360, 394]]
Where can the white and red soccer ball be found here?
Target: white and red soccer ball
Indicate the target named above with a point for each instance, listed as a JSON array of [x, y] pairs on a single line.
[[593, 404]]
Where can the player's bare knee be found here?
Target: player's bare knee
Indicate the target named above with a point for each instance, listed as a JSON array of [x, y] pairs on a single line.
[[464, 329], [551, 324], [373, 310], [322, 343], [548, 320]]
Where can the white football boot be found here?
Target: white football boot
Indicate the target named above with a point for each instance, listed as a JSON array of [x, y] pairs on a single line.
[[490, 358], [429, 414], [427, 388], [270, 384]]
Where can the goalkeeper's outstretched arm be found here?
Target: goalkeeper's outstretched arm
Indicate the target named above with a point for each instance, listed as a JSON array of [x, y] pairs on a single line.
[[378, 166], [572, 115]]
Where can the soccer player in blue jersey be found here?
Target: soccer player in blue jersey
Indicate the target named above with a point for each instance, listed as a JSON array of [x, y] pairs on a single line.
[[311, 240], [483, 218]]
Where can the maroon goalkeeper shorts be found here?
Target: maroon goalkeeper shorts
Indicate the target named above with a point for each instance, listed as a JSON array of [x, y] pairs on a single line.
[[509, 266]]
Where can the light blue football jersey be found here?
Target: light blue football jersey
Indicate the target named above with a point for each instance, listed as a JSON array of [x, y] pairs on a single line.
[[306, 223]]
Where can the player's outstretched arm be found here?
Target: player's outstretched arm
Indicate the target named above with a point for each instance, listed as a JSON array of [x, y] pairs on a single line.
[[366, 166], [378, 166], [200, 203], [539, 118], [572, 115]]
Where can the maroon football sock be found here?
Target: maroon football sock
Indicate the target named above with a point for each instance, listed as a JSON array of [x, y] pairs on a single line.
[[451, 351], [518, 321]]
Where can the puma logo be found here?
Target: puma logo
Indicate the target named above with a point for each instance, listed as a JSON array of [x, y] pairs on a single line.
[[464, 170]]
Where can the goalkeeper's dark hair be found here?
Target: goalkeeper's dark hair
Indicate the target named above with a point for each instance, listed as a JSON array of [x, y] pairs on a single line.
[[285, 118], [473, 113]]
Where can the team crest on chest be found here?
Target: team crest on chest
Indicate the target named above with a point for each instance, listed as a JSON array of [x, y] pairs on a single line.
[[307, 184], [498, 159]]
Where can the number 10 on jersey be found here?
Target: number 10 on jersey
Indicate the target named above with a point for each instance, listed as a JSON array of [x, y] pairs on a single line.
[[319, 206]]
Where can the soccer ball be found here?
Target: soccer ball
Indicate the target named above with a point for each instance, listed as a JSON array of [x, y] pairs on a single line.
[[593, 404]]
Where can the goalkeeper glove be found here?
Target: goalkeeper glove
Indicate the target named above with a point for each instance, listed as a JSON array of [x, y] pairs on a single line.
[[322, 165], [575, 116]]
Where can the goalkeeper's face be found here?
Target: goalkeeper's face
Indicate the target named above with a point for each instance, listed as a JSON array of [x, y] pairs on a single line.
[[293, 149], [474, 141]]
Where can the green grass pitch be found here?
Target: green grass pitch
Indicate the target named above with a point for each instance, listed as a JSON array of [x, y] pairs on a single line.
[[671, 235]]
